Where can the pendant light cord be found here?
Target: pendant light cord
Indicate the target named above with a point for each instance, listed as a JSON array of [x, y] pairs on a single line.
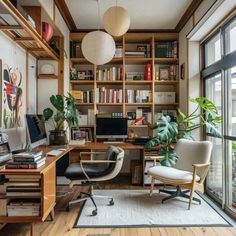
[[98, 25]]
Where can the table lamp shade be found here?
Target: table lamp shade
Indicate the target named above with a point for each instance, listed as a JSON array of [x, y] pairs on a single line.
[[116, 21], [98, 47]]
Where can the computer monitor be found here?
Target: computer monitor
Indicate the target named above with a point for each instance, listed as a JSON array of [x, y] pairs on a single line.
[[111, 128], [36, 129]]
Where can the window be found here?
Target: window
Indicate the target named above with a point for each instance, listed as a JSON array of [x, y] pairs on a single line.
[[230, 37], [212, 50], [220, 87]]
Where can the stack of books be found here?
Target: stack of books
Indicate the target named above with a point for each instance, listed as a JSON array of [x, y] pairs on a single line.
[[23, 207], [26, 160]]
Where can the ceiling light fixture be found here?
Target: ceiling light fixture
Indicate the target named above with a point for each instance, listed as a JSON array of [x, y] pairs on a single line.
[[116, 20], [97, 46]]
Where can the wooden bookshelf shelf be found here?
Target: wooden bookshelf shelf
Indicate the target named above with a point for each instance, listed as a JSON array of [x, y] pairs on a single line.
[[80, 61], [167, 82], [83, 104], [170, 104], [81, 81], [138, 82], [137, 60], [27, 36], [49, 76], [166, 60], [109, 104], [109, 82], [138, 126], [139, 104]]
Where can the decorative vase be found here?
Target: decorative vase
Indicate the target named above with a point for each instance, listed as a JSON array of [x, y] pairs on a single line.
[[47, 31], [58, 137]]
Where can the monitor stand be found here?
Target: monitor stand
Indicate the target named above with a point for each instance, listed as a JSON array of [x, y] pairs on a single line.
[[113, 141]]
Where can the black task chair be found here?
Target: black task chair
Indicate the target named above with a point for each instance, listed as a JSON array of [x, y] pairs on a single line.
[[93, 171]]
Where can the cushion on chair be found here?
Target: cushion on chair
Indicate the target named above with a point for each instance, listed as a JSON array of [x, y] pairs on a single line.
[[172, 173], [74, 170]]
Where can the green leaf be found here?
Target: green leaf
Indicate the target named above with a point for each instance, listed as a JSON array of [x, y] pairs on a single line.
[[57, 102], [204, 103], [187, 135], [212, 129], [170, 157], [152, 143], [180, 116], [47, 113]]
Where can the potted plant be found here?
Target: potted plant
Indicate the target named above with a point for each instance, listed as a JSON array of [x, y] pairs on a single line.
[[169, 129], [65, 112]]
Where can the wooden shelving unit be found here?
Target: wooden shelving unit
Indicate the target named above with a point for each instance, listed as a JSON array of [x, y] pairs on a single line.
[[128, 63], [24, 34], [47, 76]]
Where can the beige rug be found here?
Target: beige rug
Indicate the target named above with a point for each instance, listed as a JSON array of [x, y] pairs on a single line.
[[135, 208]]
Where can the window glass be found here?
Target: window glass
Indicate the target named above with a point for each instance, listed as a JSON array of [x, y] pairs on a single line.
[[230, 37], [213, 50], [231, 94]]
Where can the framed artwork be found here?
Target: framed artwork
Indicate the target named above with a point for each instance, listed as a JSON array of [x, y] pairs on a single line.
[[182, 71], [12, 92], [164, 73]]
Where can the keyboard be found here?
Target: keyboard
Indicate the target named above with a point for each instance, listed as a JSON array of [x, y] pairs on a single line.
[[54, 152]]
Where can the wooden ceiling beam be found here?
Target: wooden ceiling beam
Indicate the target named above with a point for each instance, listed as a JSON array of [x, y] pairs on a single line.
[[188, 13], [61, 5]]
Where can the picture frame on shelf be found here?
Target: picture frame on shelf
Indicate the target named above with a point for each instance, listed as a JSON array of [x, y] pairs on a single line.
[[164, 73], [81, 75], [87, 133]]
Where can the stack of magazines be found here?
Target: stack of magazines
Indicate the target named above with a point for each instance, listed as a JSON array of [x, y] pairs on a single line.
[[26, 160]]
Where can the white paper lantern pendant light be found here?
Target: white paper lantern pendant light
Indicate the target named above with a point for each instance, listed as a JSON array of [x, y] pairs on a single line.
[[116, 21], [98, 47]]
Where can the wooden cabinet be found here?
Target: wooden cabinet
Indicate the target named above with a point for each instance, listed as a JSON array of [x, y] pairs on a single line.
[[144, 74]]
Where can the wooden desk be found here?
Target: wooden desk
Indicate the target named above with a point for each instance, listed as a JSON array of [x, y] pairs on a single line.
[[47, 176]]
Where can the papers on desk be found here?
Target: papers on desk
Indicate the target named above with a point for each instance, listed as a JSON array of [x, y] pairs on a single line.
[[54, 152]]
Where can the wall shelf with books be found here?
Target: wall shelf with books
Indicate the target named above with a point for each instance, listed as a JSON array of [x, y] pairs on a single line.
[[144, 65]]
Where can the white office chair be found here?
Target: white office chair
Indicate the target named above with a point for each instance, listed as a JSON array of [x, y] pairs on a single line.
[[189, 172], [93, 171]]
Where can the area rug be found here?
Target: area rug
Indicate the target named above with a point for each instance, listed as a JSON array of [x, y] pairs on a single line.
[[135, 208]]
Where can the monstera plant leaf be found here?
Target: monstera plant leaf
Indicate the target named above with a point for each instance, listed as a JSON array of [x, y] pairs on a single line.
[[57, 102], [169, 157], [47, 113], [166, 129], [153, 142], [204, 103]]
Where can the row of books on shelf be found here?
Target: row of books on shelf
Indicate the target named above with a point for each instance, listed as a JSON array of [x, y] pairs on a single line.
[[138, 96], [110, 74], [76, 74], [20, 207], [83, 96], [163, 72], [26, 160], [166, 49], [164, 97], [105, 95], [86, 119]]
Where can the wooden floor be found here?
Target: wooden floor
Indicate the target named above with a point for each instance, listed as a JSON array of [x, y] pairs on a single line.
[[64, 221]]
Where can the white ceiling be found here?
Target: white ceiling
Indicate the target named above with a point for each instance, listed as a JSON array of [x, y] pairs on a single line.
[[144, 14]]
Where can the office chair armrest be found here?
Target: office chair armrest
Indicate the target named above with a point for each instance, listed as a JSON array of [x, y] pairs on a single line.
[[201, 165], [86, 153], [203, 176], [155, 158]]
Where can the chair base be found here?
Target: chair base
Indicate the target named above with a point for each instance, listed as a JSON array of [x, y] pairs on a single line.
[[177, 193], [85, 196]]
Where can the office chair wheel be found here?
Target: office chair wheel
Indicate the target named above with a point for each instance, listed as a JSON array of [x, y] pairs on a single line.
[[68, 208], [94, 212], [111, 203]]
